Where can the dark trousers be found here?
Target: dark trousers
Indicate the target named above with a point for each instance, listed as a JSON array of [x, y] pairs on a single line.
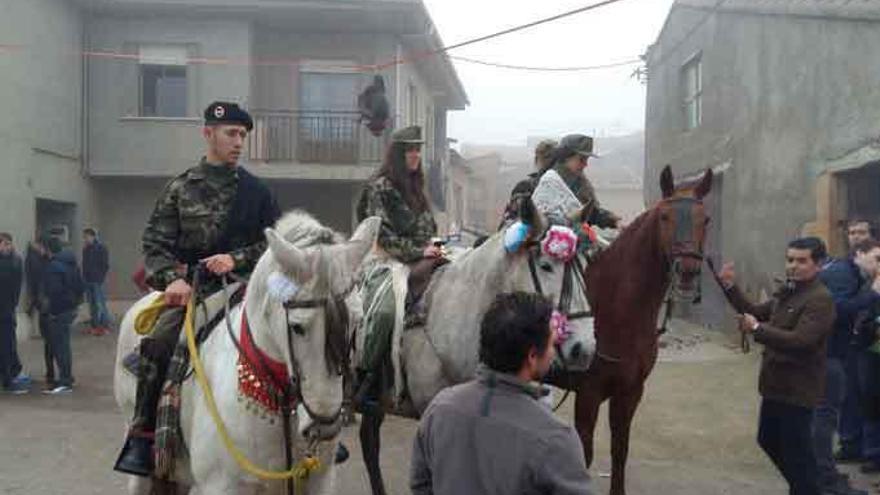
[[48, 358], [825, 420], [860, 433], [10, 365], [58, 328], [785, 435]]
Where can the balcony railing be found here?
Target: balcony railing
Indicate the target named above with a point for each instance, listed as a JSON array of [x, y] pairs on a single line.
[[313, 137]]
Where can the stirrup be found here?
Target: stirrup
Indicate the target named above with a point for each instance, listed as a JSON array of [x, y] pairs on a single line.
[[136, 456]]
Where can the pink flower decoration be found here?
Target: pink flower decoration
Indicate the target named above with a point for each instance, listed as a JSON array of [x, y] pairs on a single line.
[[560, 243], [559, 324]]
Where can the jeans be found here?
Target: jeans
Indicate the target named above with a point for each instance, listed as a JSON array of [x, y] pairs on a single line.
[[59, 342], [784, 433], [860, 434], [42, 320], [97, 305], [826, 418], [851, 418], [10, 365]]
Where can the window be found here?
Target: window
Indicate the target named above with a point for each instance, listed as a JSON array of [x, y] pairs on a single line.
[[328, 128], [163, 81], [692, 77]]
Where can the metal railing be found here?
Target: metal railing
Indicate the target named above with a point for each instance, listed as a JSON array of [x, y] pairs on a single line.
[[313, 137]]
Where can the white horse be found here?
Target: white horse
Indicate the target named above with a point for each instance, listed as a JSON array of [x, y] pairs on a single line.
[[445, 351], [306, 266]]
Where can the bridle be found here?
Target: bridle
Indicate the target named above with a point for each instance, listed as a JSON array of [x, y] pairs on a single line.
[[573, 271]]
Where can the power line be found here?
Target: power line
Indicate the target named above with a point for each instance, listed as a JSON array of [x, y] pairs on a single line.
[[497, 34], [391, 63], [546, 69]]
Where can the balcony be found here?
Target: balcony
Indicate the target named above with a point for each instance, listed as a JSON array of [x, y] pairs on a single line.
[[331, 138]]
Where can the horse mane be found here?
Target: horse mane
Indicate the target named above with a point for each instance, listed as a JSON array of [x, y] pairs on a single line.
[[635, 233], [302, 229]]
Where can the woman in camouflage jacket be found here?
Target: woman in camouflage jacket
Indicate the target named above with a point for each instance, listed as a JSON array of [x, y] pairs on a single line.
[[397, 195]]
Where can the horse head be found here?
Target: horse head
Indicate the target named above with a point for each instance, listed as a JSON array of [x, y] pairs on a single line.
[[682, 223], [558, 275], [295, 299]]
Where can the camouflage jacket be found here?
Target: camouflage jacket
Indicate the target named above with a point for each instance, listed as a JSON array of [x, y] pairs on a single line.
[[204, 211], [583, 189], [404, 233]]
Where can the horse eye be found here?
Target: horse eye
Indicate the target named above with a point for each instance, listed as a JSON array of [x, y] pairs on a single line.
[[707, 221], [664, 217], [299, 329], [547, 267]]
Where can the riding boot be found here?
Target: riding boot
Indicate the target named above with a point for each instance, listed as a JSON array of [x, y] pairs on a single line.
[[364, 395], [137, 453]]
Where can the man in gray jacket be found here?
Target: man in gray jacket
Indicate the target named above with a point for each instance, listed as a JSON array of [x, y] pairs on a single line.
[[491, 435]]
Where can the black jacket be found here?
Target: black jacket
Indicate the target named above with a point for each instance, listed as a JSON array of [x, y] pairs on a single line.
[[10, 282], [95, 263], [62, 285]]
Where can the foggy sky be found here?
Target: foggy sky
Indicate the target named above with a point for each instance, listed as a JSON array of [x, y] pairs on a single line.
[[508, 106]]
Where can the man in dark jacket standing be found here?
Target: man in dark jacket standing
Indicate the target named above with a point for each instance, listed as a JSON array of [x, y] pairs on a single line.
[[35, 264], [793, 327], [492, 435], [13, 381], [843, 278], [62, 292], [95, 264]]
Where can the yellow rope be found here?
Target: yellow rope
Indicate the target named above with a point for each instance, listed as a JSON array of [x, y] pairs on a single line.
[[301, 471]]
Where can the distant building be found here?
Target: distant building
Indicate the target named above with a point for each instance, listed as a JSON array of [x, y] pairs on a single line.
[[108, 96], [780, 98]]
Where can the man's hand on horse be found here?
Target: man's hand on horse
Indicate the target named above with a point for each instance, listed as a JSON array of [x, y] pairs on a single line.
[[727, 275], [178, 293], [748, 323], [219, 264]]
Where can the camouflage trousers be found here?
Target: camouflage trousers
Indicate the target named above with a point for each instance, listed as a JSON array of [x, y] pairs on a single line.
[[156, 351]]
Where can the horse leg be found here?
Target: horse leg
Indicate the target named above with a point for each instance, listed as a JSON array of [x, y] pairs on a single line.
[[586, 412], [371, 423], [620, 416]]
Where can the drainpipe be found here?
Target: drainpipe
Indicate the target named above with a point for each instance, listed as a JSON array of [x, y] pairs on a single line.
[[84, 99], [398, 81]]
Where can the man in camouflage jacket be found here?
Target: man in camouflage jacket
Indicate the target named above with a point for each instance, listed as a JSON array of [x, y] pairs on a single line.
[[212, 215]]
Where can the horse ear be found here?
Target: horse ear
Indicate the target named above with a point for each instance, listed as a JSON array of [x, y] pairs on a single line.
[[291, 258], [705, 185], [667, 182], [529, 215], [345, 259]]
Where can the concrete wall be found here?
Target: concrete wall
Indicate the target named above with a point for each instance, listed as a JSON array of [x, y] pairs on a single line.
[[126, 204], [41, 119], [782, 97], [122, 142]]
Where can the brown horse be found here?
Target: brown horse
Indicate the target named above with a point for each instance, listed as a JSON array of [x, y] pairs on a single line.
[[626, 287]]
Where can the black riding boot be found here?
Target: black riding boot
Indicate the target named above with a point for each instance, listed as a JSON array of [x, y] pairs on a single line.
[[137, 453]]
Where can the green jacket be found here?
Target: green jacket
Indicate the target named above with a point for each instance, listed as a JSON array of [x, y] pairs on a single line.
[[404, 233], [581, 186], [207, 210]]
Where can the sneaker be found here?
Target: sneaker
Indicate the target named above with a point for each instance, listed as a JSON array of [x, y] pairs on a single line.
[[60, 389], [23, 379], [15, 389]]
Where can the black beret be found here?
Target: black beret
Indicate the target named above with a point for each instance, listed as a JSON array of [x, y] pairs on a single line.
[[224, 112]]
